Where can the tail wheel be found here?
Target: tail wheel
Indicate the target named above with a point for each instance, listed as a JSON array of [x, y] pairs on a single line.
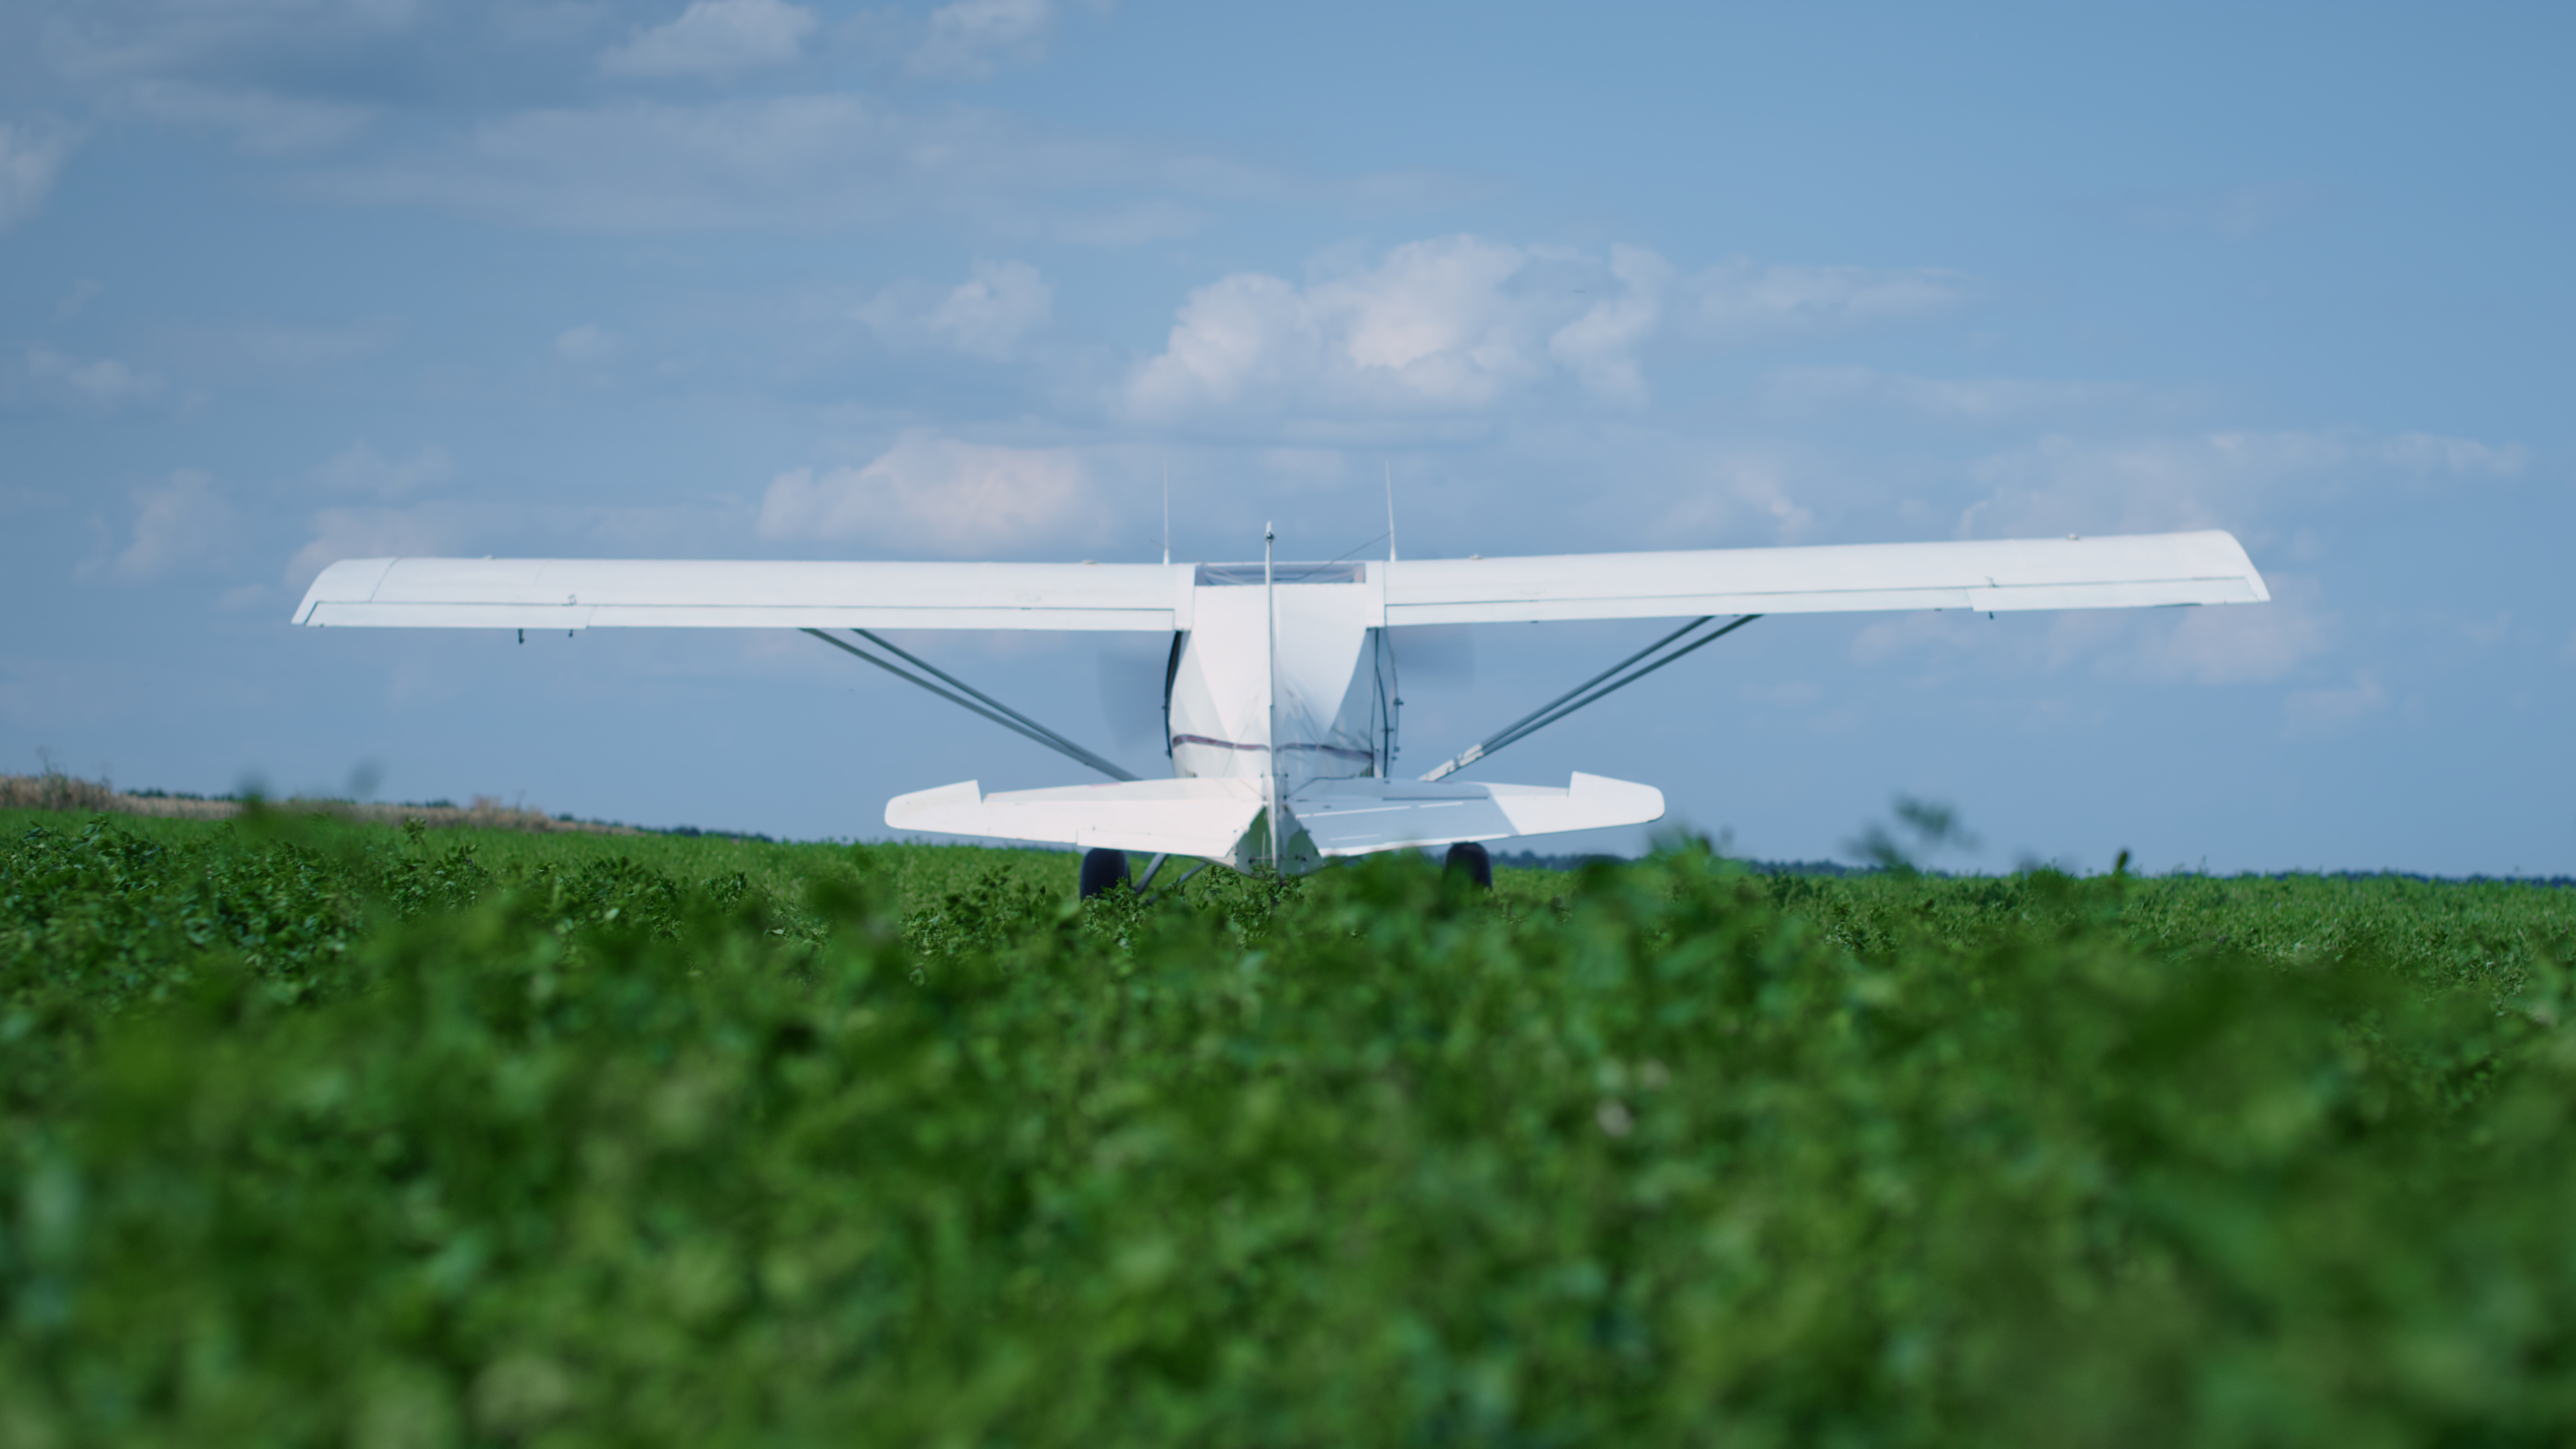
[[1102, 869], [1467, 858]]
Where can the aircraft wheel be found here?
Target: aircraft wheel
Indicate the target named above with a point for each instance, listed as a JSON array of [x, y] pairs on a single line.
[[1469, 859], [1102, 869]]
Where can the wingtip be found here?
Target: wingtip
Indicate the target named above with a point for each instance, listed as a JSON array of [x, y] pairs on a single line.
[[909, 812]]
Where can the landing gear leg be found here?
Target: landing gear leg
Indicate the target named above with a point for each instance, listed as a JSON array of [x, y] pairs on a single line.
[[1467, 858], [1102, 869]]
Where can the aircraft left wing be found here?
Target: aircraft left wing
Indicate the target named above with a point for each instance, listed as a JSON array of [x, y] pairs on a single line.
[[538, 593]]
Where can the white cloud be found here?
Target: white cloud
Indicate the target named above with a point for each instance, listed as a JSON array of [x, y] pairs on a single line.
[[180, 522], [2451, 457], [296, 349], [259, 120], [2232, 211], [1976, 399], [1719, 495], [799, 160], [988, 315], [1449, 325], [31, 157], [588, 343], [939, 494], [2241, 643], [100, 384], [2310, 712], [1601, 344], [340, 533], [83, 292], [967, 37], [716, 37], [2065, 485], [361, 469], [1456, 325], [1744, 299], [103, 40], [2217, 644]]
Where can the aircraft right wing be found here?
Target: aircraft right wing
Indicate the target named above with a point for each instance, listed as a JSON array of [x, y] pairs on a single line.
[[2118, 572]]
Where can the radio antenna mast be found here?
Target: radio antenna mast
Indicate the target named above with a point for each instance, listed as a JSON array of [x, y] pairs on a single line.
[[1270, 605], [1390, 510]]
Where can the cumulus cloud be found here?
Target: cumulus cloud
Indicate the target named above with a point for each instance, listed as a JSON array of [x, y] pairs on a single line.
[[588, 344], [1744, 299], [340, 533], [31, 157], [1800, 390], [1719, 496], [798, 160], [99, 384], [181, 522], [361, 469], [260, 120], [2220, 644], [2234, 212], [2067, 485], [300, 349], [1458, 324], [989, 315], [2335, 709], [106, 40], [2240, 644], [2426, 454], [1449, 325], [937, 494], [716, 37], [968, 37]]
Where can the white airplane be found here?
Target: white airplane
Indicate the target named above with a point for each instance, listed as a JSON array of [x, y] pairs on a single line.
[[1280, 698]]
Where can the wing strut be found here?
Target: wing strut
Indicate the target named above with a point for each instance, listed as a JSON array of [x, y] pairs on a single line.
[[1566, 703], [999, 713]]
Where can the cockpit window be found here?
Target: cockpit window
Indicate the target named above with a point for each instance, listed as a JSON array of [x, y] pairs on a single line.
[[1235, 575]]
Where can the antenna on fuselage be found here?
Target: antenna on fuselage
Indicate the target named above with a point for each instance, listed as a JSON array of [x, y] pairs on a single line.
[[1390, 511]]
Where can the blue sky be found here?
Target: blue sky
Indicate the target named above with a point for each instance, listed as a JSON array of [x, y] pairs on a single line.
[[285, 281]]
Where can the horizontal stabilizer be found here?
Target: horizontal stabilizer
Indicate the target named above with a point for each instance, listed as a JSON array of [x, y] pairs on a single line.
[[1180, 817], [1219, 819], [1354, 817]]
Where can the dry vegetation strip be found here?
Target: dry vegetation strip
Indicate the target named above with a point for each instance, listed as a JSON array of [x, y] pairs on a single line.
[[55, 791]]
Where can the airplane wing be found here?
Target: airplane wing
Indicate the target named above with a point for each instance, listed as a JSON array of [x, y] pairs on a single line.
[[2129, 571], [464, 593]]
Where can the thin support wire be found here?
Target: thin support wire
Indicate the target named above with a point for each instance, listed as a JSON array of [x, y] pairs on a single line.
[[1059, 741], [1001, 715], [1568, 702]]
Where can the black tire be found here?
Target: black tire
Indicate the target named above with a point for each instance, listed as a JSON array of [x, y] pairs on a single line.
[[1102, 869], [1467, 858]]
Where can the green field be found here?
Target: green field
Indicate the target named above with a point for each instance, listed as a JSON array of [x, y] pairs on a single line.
[[324, 1133]]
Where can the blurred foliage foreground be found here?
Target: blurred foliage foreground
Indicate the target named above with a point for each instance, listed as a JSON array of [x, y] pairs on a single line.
[[331, 1134]]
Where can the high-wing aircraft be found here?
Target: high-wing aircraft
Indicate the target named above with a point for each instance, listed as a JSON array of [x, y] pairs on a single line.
[[1279, 698]]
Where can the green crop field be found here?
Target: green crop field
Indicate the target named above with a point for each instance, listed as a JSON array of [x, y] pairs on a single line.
[[323, 1133]]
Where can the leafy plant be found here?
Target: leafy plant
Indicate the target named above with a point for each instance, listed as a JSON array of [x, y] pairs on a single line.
[[319, 1132]]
